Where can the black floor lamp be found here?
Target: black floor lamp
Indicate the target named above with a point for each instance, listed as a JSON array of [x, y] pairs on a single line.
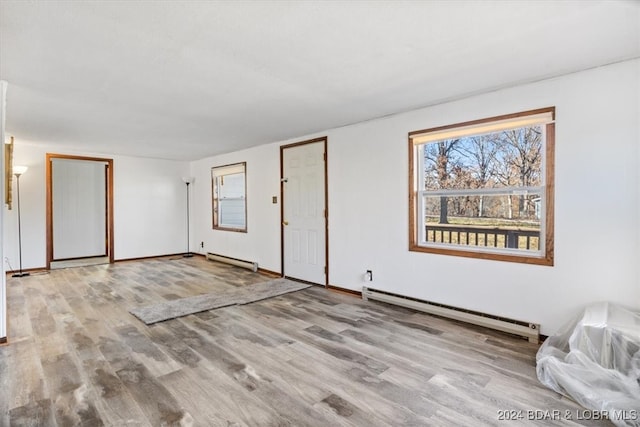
[[188, 180], [17, 171]]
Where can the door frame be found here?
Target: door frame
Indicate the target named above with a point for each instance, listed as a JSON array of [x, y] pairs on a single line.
[[109, 205], [326, 204]]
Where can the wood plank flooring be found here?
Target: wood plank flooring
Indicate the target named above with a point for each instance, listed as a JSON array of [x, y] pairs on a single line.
[[76, 357]]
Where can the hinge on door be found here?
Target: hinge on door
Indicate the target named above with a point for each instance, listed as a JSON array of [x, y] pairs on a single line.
[[324, 156], [325, 270]]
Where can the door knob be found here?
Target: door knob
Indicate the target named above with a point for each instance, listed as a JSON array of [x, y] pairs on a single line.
[[285, 222]]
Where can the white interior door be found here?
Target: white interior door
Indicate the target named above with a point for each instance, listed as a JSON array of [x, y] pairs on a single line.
[[304, 212], [79, 209]]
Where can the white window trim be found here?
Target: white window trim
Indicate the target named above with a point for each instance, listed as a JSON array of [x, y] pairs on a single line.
[[216, 173]]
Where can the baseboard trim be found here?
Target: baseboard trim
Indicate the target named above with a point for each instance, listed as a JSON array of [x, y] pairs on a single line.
[[80, 257], [143, 258], [340, 290], [43, 269], [28, 270], [269, 272]]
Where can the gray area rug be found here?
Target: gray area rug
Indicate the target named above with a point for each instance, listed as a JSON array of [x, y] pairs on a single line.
[[239, 296]]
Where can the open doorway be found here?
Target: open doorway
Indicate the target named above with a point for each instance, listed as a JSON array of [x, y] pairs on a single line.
[[79, 210]]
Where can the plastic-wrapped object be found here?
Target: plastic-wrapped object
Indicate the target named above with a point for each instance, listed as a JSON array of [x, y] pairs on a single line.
[[595, 360]]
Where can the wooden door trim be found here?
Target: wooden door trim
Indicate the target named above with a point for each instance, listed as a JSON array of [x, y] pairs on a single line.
[[323, 139], [49, 196]]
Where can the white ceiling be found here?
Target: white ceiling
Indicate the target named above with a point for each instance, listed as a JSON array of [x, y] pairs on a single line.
[[189, 79]]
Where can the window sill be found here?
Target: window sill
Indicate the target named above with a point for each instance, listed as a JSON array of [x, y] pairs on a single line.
[[523, 259]]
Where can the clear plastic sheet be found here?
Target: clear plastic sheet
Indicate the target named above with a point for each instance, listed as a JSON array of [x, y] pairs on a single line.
[[595, 360]]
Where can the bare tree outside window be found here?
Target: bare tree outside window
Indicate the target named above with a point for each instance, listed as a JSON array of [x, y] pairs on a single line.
[[484, 191]]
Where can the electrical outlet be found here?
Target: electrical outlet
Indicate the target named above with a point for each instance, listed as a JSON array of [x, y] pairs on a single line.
[[202, 245], [274, 199]]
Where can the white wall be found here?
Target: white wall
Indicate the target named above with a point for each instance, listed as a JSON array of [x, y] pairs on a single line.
[[261, 242], [149, 206], [597, 238]]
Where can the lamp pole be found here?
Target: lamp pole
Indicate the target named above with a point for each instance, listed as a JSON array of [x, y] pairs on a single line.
[[19, 170], [188, 254]]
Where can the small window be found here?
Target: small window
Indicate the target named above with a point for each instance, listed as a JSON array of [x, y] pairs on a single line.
[[229, 197], [484, 189]]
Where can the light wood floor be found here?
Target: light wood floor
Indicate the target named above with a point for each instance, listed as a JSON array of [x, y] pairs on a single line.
[[310, 358]]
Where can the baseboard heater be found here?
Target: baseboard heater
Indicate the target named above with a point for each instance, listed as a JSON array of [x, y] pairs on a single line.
[[253, 266], [516, 327]]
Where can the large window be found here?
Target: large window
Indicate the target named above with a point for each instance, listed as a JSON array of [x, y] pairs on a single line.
[[229, 197], [484, 188]]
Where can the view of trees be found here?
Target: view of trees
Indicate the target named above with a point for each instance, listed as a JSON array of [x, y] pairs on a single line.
[[507, 159]]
